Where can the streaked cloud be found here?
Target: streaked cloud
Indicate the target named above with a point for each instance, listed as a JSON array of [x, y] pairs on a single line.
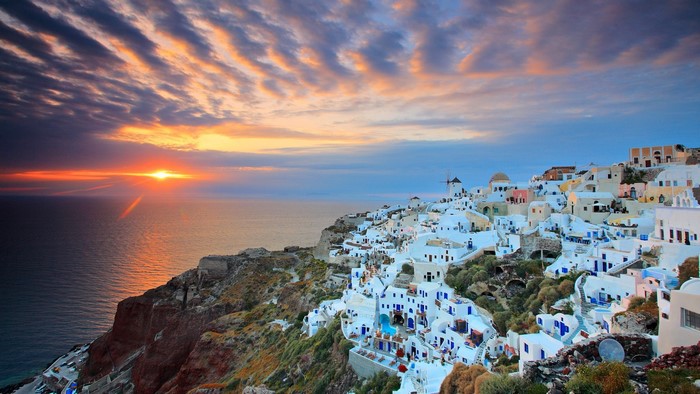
[[283, 85]]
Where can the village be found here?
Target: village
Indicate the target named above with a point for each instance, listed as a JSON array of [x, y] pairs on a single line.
[[611, 237]]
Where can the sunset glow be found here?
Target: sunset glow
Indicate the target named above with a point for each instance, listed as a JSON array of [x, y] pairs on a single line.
[[130, 208], [164, 174], [335, 97]]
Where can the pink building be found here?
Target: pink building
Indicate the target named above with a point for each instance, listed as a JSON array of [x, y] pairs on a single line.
[[633, 191], [520, 196]]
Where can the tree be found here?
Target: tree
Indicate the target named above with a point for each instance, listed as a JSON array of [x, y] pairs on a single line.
[[566, 288], [548, 295], [407, 269], [687, 270], [500, 320], [481, 276], [462, 379]]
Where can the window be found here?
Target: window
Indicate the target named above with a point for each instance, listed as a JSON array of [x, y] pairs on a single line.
[[527, 348], [690, 319], [636, 160], [542, 355]]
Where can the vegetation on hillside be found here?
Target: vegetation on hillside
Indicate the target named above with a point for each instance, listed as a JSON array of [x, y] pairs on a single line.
[[604, 378], [515, 307], [632, 175], [678, 380]]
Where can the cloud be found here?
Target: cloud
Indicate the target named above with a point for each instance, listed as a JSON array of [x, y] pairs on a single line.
[[279, 84], [40, 21]]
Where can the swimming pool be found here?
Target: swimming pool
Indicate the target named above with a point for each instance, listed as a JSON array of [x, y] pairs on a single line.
[[386, 325]]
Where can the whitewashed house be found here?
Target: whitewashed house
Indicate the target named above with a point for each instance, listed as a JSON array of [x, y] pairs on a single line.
[[679, 316]]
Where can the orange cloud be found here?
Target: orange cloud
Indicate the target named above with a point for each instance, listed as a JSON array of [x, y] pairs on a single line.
[[232, 137], [91, 175]]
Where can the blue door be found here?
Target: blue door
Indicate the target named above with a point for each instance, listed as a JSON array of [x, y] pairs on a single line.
[[562, 329], [381, 345], [363, 330], [411, 323]]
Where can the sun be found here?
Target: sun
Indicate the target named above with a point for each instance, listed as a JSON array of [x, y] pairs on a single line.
[[160, 175]]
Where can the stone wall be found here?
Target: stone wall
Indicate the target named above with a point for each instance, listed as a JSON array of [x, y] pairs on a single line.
[[366, 368], [558, 369], [213, 266], [680, 357], [533, 242]]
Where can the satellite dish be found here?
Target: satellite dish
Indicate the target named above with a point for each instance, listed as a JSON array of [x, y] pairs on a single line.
[[611, 350]]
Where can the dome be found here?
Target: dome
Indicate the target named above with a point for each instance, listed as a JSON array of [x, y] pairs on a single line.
[[499, 177]]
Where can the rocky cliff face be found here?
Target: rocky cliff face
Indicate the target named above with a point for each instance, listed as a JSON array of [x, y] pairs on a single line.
[[335, 235], [214, 328]]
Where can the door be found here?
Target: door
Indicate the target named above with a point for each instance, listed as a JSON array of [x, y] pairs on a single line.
[[411, 323]]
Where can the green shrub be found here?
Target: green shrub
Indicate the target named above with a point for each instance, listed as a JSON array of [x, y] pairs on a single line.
[[606, 378], [503, 384], [345, 346], [578, 385], [380, 383], [677, 381], [537, 388]]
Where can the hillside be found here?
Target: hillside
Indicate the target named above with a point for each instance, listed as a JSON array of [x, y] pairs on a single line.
[[209, 333]]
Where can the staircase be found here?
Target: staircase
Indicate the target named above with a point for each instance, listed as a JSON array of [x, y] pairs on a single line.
[[621, 267], [581, 327], [585, 305], [416, 383], [480, 351]]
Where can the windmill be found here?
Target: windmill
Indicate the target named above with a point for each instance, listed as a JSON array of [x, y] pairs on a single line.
[[447, 181]]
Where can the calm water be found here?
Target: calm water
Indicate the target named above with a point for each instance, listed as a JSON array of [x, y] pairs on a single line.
[[66, 262]]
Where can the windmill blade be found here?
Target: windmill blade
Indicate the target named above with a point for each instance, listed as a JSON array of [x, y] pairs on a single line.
[[447, 181]]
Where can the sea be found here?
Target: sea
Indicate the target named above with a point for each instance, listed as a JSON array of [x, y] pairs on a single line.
[[65, 262]]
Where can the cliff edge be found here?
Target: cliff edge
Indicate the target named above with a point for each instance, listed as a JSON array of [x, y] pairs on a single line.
[[232, 323]]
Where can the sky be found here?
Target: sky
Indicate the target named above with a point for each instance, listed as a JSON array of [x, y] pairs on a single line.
[[334, 99]]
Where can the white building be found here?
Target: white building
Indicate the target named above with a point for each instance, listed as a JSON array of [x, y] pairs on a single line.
[[537, 212], [604, 289], [679, 320], [678, 225], [537, 346], [593, 207], [560, 326]]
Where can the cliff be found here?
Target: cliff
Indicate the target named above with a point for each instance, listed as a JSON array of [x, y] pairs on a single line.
[[333, 236], [214, 328]]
